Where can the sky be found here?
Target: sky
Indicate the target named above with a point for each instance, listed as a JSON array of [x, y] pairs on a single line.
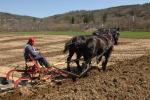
[[45, 8]]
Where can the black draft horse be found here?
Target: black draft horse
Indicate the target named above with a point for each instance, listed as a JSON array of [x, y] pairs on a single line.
[[114, 31], [75, 46], [77, 43], [97, 46]]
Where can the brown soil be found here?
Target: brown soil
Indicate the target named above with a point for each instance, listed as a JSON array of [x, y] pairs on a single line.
[[128, 80]]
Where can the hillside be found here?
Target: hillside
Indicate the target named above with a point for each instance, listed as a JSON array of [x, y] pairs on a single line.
[[11, 22], [129, 17]]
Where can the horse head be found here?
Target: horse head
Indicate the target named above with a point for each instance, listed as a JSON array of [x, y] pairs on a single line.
[[115, 34]]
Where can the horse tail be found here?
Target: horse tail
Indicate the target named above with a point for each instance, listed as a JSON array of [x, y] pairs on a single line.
[[70, 44], [66, 47]]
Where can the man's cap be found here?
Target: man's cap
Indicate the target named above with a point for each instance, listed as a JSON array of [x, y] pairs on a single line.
[[31, 39]]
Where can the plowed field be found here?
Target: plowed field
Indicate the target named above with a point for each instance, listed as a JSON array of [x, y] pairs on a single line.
[[127, 76]]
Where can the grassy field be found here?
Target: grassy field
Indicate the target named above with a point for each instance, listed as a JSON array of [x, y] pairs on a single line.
[[142, 35]]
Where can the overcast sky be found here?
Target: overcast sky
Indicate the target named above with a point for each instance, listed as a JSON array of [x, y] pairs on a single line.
[[45, 8]]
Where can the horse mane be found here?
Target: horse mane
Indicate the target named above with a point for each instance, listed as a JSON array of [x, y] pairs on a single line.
[[75, 42]]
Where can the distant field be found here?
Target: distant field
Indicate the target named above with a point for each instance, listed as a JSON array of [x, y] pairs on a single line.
[[142, 35], [49, 33]]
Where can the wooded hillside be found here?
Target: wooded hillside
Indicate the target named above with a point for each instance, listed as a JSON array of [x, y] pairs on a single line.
[[129, 17]]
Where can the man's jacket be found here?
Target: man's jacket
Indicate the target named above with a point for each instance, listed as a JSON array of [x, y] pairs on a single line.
[[32, 51]]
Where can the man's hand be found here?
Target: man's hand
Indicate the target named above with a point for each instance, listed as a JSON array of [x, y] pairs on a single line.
[[37, 49]]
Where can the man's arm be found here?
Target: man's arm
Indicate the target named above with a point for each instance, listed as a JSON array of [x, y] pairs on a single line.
[[32, 51]]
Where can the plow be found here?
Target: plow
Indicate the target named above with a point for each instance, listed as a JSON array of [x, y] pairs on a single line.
[[33, 72]]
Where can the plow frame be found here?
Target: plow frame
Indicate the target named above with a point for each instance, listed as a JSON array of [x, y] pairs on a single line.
[[34, 72]]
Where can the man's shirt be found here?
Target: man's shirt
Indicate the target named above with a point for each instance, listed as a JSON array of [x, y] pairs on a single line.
[[31, 50]]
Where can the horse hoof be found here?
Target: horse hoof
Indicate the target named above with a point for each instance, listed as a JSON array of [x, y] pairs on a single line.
[[104, 68], [68, 69], [74, 79], [99, 69]]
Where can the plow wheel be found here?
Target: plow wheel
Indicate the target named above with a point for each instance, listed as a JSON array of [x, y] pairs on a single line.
[[18, 77], [21, 81]]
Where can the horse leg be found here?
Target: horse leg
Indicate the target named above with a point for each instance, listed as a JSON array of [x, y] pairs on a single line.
[[107, 56], [86, 67], [98, 59], [115, 41], [77, 61], [68, 60], [104, 63]]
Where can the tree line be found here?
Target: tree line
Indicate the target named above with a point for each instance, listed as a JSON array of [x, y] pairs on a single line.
[[128, 18]]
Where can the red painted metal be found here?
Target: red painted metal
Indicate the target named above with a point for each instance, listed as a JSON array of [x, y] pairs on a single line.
[[32, 71], [16, 83], [9, 73]]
